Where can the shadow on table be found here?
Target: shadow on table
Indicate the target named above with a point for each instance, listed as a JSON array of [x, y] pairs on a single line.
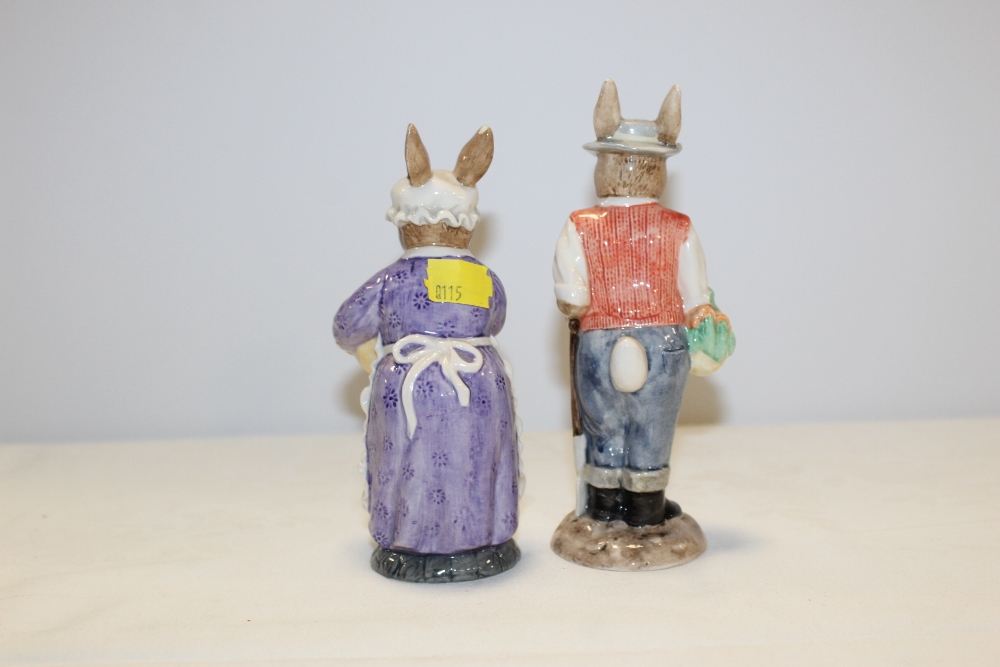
[[725, 540], [702, 403]]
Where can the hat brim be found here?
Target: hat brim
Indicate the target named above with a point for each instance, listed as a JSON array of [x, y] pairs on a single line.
[[633, 148]]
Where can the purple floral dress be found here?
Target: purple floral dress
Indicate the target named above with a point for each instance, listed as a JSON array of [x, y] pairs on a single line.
[[453, 486]]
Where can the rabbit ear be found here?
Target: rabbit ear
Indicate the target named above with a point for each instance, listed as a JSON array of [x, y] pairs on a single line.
[[668, 123], [475, 157], [418, 164], [608, 112]]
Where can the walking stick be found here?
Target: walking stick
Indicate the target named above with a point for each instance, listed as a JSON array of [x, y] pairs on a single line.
[[579, 443], [574, 341]]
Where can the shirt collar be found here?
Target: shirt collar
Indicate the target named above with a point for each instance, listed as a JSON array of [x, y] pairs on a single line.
[[626, 201]]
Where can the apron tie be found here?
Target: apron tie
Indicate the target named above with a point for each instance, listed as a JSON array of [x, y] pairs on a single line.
[[426, 350]]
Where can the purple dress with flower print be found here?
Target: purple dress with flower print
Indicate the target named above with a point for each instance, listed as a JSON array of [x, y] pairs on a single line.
[[453, 486]]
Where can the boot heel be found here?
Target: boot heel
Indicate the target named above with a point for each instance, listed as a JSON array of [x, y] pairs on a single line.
[[648, 509], [604, 504]]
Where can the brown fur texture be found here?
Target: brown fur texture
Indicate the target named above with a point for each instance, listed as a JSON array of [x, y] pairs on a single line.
[[418, 164], [624, 175], [669, 121], [475, 158], [416, 236], [608, 112]]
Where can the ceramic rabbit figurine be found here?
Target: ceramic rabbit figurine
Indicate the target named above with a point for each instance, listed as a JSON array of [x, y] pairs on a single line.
[[442, 463], [631, 276]]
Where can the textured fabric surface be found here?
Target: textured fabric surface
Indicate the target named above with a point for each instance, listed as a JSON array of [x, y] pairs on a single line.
[[394, 303], [452, 486], [632, 257]]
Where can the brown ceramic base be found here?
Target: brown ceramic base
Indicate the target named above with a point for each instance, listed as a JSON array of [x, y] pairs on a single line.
[[617, 546]]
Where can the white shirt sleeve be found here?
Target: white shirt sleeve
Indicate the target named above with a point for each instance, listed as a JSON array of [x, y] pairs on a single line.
[[692, 275], [569, 269]]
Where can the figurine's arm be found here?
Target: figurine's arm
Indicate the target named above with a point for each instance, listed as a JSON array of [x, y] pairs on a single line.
[[569, 270], [356, 325], [366, 354], [692, 274], [710, 336]]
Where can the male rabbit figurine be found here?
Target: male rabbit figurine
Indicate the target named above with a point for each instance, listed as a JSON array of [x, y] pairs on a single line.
[[630, 275], [442, 465]]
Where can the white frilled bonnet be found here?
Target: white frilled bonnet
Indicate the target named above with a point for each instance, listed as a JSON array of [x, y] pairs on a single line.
[[428, 197], [441, 199]]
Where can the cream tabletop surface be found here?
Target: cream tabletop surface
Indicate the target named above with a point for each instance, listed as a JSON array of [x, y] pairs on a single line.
[[874, 544]]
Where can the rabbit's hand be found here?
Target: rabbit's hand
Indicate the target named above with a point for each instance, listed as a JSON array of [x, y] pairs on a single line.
[[366, 355], [571, 311]]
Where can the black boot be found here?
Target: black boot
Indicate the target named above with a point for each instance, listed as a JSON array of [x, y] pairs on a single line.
[[648, 509], [604, 504], [672, 511]]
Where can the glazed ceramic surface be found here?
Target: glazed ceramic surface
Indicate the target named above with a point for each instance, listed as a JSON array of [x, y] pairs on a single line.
[[442, 464], [631, 275]]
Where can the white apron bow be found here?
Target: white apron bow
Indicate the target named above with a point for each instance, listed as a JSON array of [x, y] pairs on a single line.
[[427, 350]]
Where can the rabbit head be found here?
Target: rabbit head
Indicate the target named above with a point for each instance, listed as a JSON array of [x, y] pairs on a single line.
[[632, 154], [436, 206]]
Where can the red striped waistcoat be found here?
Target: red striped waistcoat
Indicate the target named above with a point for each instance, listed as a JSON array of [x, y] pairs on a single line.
[[631, 256]]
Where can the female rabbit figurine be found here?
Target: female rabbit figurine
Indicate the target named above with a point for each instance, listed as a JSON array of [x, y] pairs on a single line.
[[631, 276], [442, 464]]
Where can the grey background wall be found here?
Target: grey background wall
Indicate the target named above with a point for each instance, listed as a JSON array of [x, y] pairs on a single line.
[[188, 191]]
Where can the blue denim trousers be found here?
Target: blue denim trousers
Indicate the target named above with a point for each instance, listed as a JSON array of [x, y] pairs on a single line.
[[629, 435]]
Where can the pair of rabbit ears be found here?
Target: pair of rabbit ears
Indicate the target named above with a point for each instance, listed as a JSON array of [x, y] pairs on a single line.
[[472, 163], [608, 114]]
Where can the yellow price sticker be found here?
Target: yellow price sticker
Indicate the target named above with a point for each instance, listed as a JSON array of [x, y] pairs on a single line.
[[458, 281]]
